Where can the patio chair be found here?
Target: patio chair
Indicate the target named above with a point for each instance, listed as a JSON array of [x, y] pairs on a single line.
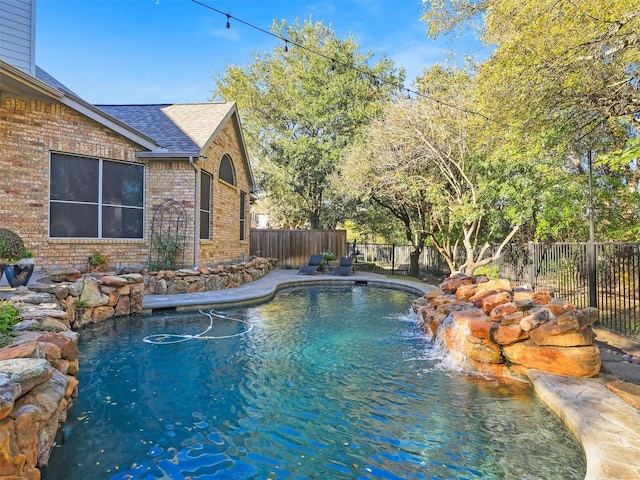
[[345, 267], [312, 265]]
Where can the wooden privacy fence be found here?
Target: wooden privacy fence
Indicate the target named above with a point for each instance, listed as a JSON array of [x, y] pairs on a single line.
[[292, 248]]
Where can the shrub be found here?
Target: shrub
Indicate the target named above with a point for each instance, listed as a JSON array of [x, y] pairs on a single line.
[[327, 257], [167, 252], [11, 245], [98, 262], [492, 272], [9, 316]]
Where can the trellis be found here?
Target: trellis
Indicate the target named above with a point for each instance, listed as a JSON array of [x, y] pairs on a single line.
[[168, 236]]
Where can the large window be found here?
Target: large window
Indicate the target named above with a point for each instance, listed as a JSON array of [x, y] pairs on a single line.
[[95, 198], [226, 170], [243, 215], [205, 206]]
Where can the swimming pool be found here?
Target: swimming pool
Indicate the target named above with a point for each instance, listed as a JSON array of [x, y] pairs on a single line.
[[321, 382]]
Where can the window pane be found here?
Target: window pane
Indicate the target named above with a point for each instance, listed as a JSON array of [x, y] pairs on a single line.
[[205, 234], [205, 205], [122, 184], [73, 220], [243, 200], [226, 170], [74, 178], [119, 222], [205, 191]]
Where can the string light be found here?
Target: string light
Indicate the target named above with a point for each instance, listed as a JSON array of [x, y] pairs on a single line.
[[376, 81]]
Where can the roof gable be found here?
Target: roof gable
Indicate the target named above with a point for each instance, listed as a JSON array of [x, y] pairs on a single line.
[[179, 128]]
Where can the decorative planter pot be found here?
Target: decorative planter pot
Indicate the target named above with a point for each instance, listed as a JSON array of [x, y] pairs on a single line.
[[1, 270], [18, 274]]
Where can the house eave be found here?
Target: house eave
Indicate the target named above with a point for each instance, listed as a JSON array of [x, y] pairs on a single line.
[[109, 121], [16, 82], [165, 155]]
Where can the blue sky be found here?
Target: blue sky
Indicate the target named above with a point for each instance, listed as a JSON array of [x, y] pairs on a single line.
[[169, 51]]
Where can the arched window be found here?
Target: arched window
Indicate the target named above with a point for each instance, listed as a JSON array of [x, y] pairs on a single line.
[[226, 170]]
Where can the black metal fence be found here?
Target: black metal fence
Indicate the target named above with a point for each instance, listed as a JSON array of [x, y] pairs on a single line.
[[604, 275]]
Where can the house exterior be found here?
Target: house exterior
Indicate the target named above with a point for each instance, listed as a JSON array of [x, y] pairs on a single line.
[[77, 178]]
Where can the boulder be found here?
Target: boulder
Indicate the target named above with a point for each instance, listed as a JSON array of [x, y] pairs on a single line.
[[113, 281], [28, 372], [91, 295], [64, 275], [9, 392], [501, 310], [29, 349], [483, 351], [507, 334], [571, 338], [572, 361], [451, 284], [465, 292], [68, 346], [492, 301]]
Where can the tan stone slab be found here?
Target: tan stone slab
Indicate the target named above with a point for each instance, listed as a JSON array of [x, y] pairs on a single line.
[[629, 392], [607, 427]]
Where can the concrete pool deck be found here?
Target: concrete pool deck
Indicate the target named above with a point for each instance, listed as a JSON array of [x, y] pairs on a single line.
[[607, 426]]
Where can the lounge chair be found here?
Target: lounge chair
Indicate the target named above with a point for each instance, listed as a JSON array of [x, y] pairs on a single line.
[[312, 265], [345, 267]]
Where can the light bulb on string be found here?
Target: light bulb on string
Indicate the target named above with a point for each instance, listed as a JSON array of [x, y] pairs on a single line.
[[228, 22]]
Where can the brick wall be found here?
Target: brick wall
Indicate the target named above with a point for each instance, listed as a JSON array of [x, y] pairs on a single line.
[[225, 241], [30, 129]]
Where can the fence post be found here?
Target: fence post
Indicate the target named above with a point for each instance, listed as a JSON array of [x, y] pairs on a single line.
[[532, 267], [393, 258], [591, 254]]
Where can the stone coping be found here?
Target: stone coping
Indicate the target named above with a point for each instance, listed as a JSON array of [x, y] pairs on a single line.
[[265, 288], [607, 427]]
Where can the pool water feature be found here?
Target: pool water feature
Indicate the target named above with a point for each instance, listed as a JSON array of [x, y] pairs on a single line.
[[329, 382]]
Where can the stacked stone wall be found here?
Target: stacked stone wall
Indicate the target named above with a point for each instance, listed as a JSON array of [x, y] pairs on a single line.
[[204, 279], [501, 330], [37, 384]]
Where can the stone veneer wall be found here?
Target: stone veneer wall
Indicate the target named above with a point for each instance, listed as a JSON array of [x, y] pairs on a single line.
[[37, 384], [38, 371], [494, 328], [203, 279]]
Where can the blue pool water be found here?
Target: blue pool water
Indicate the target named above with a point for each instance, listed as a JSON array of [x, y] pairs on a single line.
[[331, 382]]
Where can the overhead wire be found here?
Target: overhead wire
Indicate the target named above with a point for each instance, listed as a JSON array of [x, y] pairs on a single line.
[[334, 61]]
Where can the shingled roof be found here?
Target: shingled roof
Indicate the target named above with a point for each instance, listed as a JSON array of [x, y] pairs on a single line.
[[183, 128]]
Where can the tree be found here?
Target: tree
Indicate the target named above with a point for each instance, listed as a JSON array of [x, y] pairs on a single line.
[[301, 107], [563, 77], [421, 163]]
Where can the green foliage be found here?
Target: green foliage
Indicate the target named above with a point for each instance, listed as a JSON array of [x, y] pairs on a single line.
[[492, 272], [166, 254], [328, 256], [300, 112], [11, 245], [82, 303], [560, 84], [98, 261], [27, 253], [9, 316]]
